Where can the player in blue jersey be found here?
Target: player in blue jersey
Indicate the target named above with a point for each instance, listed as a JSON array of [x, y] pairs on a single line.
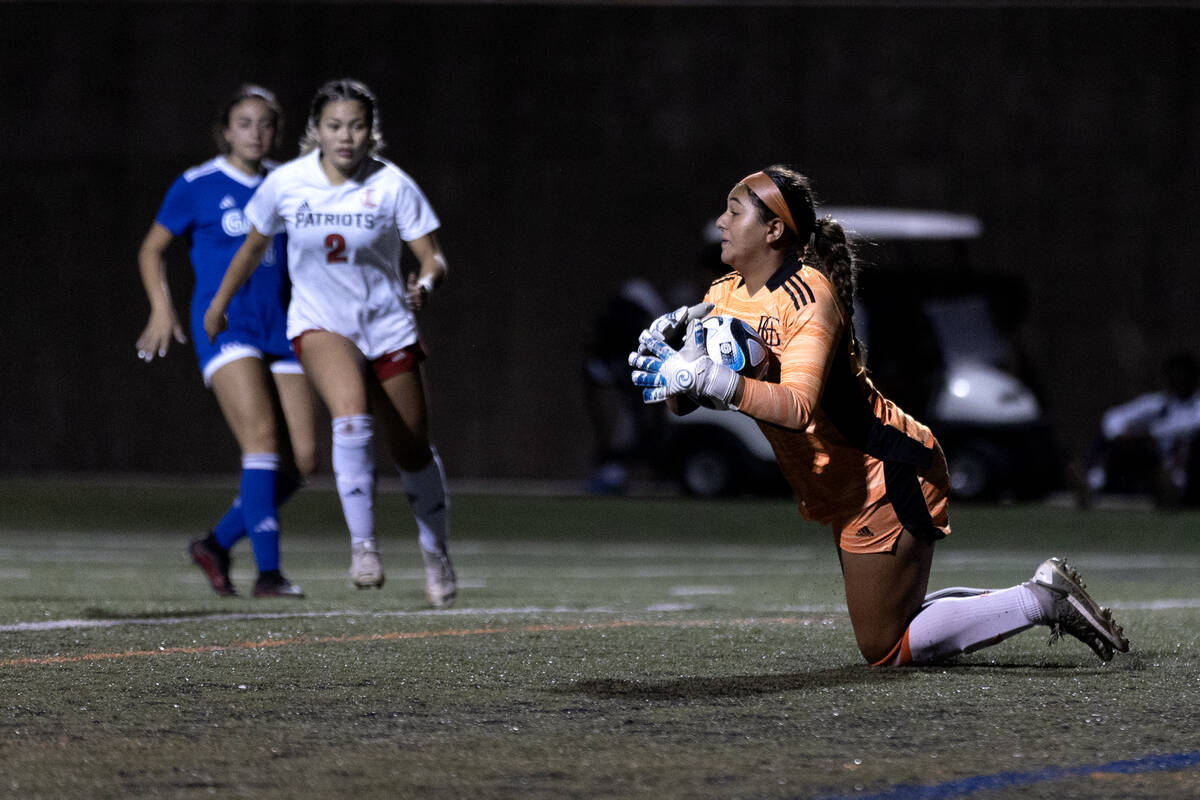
[[250, 367]]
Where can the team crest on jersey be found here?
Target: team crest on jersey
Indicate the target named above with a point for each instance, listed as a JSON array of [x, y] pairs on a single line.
[[233, 223], [767, 331]]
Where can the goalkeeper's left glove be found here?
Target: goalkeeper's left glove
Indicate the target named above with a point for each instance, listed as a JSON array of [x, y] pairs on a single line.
[[667, 372], [672, 326]]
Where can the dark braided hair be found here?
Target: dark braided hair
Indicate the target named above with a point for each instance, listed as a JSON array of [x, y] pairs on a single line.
[[830, 254], [836, 259]]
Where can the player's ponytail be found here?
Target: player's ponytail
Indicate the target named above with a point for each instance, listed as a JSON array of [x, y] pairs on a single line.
[[836, 260]]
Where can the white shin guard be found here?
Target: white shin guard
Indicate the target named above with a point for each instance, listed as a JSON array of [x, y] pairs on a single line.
[[426, 490], [354, 472]]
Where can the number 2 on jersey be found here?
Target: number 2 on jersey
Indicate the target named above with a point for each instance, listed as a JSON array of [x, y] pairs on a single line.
[[335, 247]]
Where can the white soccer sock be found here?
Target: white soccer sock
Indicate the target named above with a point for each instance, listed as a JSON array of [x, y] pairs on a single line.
[[354, 472], [426, 489], [956, 625]]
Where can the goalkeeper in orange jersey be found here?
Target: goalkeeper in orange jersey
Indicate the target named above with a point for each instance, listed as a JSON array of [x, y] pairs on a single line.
[[855, 461]]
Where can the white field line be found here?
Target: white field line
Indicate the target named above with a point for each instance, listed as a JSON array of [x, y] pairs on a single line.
[[243, 578], [1159, 605], [92, 546], [665, 563], [833, 608], [71, 624], [1080, 560], [483, 572], [651, 562], [696, 591]]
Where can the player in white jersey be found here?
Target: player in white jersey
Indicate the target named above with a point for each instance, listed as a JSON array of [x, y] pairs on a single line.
[[256, 379], [348, 214]]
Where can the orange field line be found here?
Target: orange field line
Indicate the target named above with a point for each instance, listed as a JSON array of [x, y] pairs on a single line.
[[396, 635]]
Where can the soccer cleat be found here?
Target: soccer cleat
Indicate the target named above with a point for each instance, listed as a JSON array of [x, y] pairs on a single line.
[[273, 584], [1072, 610], [211, 558], [365, 570], [440, 582]]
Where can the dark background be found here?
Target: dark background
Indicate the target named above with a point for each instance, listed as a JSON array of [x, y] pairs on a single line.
[[567, 148]]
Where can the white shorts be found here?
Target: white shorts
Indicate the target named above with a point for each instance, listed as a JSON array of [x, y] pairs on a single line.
[[385, 327]]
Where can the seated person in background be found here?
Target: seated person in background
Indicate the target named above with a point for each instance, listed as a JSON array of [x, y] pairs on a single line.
[[621, 424], [1147, 443]]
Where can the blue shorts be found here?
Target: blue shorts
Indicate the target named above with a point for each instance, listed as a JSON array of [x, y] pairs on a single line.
[[232, 345], [224, 352]]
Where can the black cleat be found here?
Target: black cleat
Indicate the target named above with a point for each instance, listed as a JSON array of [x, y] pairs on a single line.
[[214, 560], [273, 584]]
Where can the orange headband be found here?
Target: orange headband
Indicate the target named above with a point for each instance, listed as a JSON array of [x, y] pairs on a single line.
[[761, 184]]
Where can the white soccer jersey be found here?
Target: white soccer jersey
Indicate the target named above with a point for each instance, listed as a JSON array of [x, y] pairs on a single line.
[[344, 245]]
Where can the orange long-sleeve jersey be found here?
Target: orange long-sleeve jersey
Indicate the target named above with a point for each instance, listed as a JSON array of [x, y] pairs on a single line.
[[854, 460]]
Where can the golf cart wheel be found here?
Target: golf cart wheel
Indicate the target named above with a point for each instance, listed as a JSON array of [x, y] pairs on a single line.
[[708, 471], [972, 473]]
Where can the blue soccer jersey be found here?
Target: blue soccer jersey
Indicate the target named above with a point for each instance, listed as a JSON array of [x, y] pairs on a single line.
[[204, 205]]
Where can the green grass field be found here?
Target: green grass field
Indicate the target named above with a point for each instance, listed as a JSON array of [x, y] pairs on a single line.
[[601, 648]]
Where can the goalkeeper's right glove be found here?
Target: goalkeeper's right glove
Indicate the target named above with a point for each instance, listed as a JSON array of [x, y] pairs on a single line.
[[667, 373], [670, 328]]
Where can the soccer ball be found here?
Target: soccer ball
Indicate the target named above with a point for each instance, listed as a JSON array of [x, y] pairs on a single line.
[[732, 342]]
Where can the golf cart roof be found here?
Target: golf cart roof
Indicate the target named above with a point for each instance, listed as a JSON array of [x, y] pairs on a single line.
[[881, 224]]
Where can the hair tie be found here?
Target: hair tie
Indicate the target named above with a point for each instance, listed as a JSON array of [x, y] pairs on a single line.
[[765, 189]]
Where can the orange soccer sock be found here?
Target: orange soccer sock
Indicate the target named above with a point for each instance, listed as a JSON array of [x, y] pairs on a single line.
[[899, 656]]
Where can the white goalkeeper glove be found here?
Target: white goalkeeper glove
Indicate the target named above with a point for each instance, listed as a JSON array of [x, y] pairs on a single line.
[[671, 327], [665, 372]]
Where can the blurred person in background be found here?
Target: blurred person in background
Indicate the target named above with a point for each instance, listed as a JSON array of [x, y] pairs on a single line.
[[1148, 444], [855, 460], [621, 423], [348, 215], [250, 367]]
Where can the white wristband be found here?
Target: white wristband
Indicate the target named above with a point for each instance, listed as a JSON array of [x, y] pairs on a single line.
[[426, 283]]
